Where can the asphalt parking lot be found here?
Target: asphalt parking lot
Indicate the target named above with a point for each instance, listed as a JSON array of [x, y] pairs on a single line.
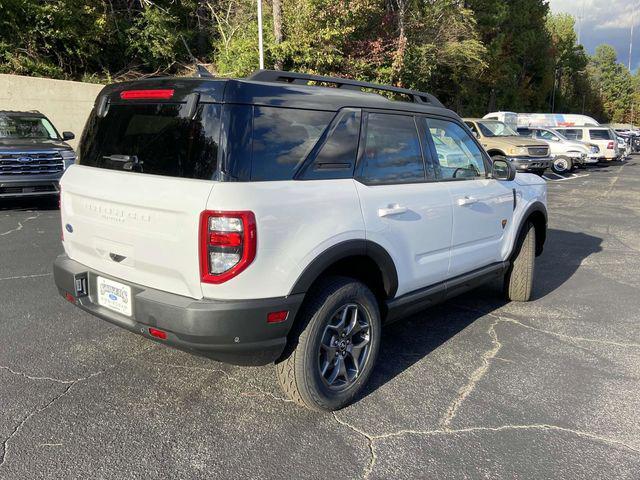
[[474, 388]]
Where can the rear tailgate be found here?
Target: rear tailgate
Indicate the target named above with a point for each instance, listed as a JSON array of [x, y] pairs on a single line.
[[139, 228]]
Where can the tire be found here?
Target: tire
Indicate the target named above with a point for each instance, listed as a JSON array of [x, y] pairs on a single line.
[[561, 165], [518, 281], [300, 370]]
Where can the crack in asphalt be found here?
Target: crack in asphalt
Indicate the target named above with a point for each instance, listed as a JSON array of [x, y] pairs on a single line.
[[227, 375], [32, 377], [469, 387], [506, 319], [20, 225], [69, 385], [20, 277], [475, 377], [372, 439]]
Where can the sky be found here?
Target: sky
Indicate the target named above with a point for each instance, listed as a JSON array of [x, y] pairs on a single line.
[[605, 21]]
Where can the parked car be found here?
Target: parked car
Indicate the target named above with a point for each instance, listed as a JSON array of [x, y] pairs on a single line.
[[501, 141], [603, 137], [268, 220], [623, 146], [566, 154], [33, 155]]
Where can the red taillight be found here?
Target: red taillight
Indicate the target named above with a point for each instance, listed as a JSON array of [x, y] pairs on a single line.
[[156, 94], [154, 332], [70, 298], [277, 317], [228, 242], [610, 146]]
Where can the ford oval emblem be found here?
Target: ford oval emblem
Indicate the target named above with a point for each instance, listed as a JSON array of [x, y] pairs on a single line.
[[112, 297], [68, 228], [24, 159]]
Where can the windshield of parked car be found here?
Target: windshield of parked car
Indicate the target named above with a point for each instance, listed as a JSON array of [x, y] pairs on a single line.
[[496, 129], [17, 126]]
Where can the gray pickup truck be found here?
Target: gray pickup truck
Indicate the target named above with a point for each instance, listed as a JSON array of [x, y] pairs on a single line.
[[33, 155]]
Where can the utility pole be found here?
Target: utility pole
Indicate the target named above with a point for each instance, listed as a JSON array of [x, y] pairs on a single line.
[[260, 47], [633, 13]]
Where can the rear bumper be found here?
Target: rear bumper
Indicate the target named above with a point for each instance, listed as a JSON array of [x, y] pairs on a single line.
[[524, 164], [231, 331], [14, 186]]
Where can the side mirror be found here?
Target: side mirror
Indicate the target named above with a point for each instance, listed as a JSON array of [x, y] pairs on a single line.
[[503, 170], [68, 136]]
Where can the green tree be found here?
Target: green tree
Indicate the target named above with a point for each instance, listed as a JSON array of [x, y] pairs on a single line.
[[614, 83]]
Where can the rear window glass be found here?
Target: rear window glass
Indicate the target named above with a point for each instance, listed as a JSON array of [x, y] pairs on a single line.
[[155, 139], [392, 150], [600, 135], [282, 140]]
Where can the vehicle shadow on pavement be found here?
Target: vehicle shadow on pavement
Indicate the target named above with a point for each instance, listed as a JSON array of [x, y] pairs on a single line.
[[406, 342], [29, 203]]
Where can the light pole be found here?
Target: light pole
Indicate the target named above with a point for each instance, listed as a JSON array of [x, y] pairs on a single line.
[[260, 47]]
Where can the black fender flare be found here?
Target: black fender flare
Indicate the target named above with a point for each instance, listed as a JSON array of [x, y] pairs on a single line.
[[541, 236], [350, 248]]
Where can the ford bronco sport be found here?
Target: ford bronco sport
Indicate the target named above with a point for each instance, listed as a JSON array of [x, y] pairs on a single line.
[[279, 219], [33, 155], [501, 141]]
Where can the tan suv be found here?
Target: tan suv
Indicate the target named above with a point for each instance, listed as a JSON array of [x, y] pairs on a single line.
[[500, 140]]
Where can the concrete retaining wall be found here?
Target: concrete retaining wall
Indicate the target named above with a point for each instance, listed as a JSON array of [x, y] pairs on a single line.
[[67, 104]]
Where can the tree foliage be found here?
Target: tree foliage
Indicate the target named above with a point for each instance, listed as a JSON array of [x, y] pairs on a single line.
[[475, 55]]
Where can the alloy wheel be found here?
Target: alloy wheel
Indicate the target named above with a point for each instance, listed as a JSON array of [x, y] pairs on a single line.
[[345, 346]]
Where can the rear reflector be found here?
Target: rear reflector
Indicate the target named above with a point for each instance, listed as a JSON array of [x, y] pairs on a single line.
[[158, 94], [70, 298], [154, 332], [277, 317]]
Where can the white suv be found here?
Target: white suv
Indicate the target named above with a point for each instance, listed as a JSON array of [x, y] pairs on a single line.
[[603, 137], [566, 154], [268, 220]]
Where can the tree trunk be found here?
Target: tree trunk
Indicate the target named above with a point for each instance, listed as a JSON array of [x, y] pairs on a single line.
[[277, 30]]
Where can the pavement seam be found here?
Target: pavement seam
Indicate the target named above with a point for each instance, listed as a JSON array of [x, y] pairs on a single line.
[[226, 375], [70, 384], [20, 225], [20, 277], [475, 377], [505, 319], [372, 439]]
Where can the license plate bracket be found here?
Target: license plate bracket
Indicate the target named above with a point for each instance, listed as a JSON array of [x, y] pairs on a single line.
[[114, 295]]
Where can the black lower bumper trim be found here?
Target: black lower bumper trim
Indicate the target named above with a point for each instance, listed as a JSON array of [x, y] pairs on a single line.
[[231, 331]]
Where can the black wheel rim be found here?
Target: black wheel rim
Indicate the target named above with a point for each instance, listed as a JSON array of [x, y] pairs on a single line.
[[344, 347]]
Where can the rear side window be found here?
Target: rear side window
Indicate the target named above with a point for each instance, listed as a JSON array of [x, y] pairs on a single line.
[[336, 152], [600, 134], [572, 133], [459, 157], [155, 139], [282, 140], [392, 151]]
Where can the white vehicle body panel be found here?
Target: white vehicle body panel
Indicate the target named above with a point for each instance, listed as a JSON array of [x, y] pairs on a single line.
[[150, 220], [296, 222], [417, 236], [479, 208]]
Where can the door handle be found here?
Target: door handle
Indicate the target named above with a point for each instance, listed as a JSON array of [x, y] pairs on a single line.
[[392, 209], [467, 201]]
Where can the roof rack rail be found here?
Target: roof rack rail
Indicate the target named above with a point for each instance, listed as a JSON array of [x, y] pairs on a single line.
[[304, 78]]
